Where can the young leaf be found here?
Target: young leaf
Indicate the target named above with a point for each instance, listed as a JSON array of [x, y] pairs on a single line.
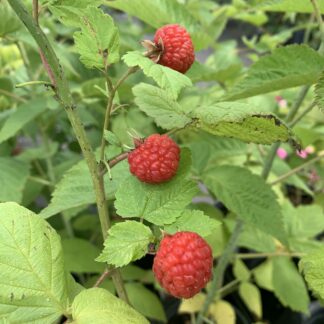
[[263, 275], [98, 41], [288, 285], [159, 105], [312, 266], [127, 241], [13, 178], [248, 196], [145, 301], [79, 256], [97, 305], [159, 204], [241, 121], [193, 221], [168, 79], [33, 280], [319, 92], [240, 270], [223, 312], [75, 188], [251, 296], [280, 70], [111, 138], [23, 115]]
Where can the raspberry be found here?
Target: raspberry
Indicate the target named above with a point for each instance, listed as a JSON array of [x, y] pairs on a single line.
[[155, 160], [177, 51], [183, 264]]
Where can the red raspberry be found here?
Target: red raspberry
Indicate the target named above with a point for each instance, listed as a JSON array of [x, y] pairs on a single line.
[[183, 264], [177, 51], [155, 160]]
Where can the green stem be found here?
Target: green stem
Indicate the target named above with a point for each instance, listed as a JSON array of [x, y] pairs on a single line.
[[61, 87], [297, 169], [219, 270], [302, 114], [266, 255]]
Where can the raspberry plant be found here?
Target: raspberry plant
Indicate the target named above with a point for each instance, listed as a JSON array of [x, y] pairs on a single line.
[[115, 156]]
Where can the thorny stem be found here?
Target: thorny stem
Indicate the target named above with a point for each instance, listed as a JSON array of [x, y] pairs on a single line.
[[63, 94]]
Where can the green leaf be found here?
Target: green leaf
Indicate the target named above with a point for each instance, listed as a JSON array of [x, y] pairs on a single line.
[[75, 188], [98, 41], [33, 280], [251, 296], [39, 152], [9, 22], [159, 204], [280, 70], [240, 270], [162, 12], [19, 118], [127, 241], [295, 6], [263, 275], [223, 312], [159, 105], [168, 79], [312, 266], [193, 221], [289, 286], [99, 306], [13, 178], [145, 301], [111, 138], [248, 196], [319, 92], [79, 256], [241, 121]]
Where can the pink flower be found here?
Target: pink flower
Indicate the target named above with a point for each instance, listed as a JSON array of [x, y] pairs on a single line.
[[282, 153], [282, 103], [302, 153]]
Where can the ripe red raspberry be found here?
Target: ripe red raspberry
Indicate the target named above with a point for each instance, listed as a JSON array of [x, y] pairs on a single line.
[[155, 160], [183, 264], [177, 51]]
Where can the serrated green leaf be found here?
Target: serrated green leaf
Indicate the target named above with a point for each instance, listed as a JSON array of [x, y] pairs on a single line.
[[13, 177], [99, 306], [32, 270], [241, 121], [312, 266], [98, 41], [79, 256], [159, 204], [145, 301], [302, 225], [75, 189], [159, 105], [240, 270], [19, 118], [288, 285], [168, 79], [248, 196], [127, 241], [193, 221], [279, 70], [9, 22], [251, 296], [319, 92], [111, 138]]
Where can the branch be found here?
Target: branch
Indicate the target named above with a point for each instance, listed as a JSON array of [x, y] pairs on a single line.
[[64, 96]]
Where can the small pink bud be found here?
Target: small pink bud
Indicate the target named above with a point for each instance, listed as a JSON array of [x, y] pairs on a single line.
[[282, 153], [302, 153]]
